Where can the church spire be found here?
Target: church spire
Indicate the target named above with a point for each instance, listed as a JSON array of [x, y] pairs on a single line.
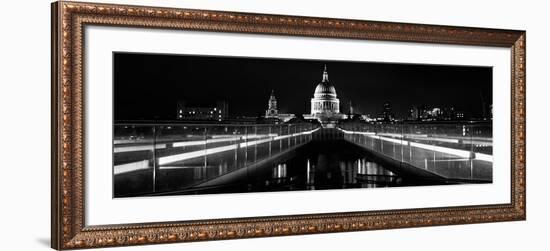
[[325, 74], [271, 106], [272, 96]]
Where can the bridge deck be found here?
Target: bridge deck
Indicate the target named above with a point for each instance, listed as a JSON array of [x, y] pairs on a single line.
[[175, 165]]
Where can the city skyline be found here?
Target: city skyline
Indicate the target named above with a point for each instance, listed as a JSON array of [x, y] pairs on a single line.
[[260, 125], [246, 84]]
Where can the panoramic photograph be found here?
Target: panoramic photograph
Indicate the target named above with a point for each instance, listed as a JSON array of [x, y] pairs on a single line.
[[193, 124]]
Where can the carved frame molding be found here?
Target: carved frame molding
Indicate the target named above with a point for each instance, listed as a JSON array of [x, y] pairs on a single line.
[[68, 22]]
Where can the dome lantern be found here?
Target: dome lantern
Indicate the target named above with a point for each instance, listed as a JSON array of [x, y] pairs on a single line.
[[325, 74]]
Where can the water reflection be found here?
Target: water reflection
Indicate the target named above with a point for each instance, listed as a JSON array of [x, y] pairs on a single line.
[[326, 169], [317, 166], [279, 171], [310, 175], [350, 173]]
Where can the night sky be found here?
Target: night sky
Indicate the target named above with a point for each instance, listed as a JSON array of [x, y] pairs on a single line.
[[148, 86]]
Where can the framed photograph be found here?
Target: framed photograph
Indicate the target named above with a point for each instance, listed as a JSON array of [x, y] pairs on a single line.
[[176, 125]]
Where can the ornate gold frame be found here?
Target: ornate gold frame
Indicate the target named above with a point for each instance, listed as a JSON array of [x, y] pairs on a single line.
[[68, 228]]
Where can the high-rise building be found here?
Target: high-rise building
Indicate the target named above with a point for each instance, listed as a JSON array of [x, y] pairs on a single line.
[[414, 113], [387, 113]]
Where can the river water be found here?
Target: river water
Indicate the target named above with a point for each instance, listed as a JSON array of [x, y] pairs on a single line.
[[318, 166]]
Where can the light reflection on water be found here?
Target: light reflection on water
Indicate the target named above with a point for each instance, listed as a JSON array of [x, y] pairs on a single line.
[[328, 171], [279, 171], [319, 166]]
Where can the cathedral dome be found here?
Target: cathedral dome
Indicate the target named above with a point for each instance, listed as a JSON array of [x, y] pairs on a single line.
[[324, 102], [324, 88]]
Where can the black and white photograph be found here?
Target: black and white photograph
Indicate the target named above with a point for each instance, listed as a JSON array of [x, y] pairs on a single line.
[[269, 125], [196, 124]]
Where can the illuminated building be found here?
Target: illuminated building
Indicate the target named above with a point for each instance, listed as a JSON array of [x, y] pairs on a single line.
[[325, 105], [273, 113], [218, 112], [425, 113], [387, 114]]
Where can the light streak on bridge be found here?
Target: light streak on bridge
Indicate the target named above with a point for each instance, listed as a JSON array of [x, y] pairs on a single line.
[[164, 161], [402, 139]]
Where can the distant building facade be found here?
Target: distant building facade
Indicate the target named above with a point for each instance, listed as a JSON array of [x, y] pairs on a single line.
[[219, 112], [425, 113], [387, 114]]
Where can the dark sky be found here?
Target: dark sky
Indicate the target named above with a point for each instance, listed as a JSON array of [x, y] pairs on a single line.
[[148, 86]]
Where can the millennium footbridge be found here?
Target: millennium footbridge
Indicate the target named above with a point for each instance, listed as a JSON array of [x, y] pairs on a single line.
[[162, 159]]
